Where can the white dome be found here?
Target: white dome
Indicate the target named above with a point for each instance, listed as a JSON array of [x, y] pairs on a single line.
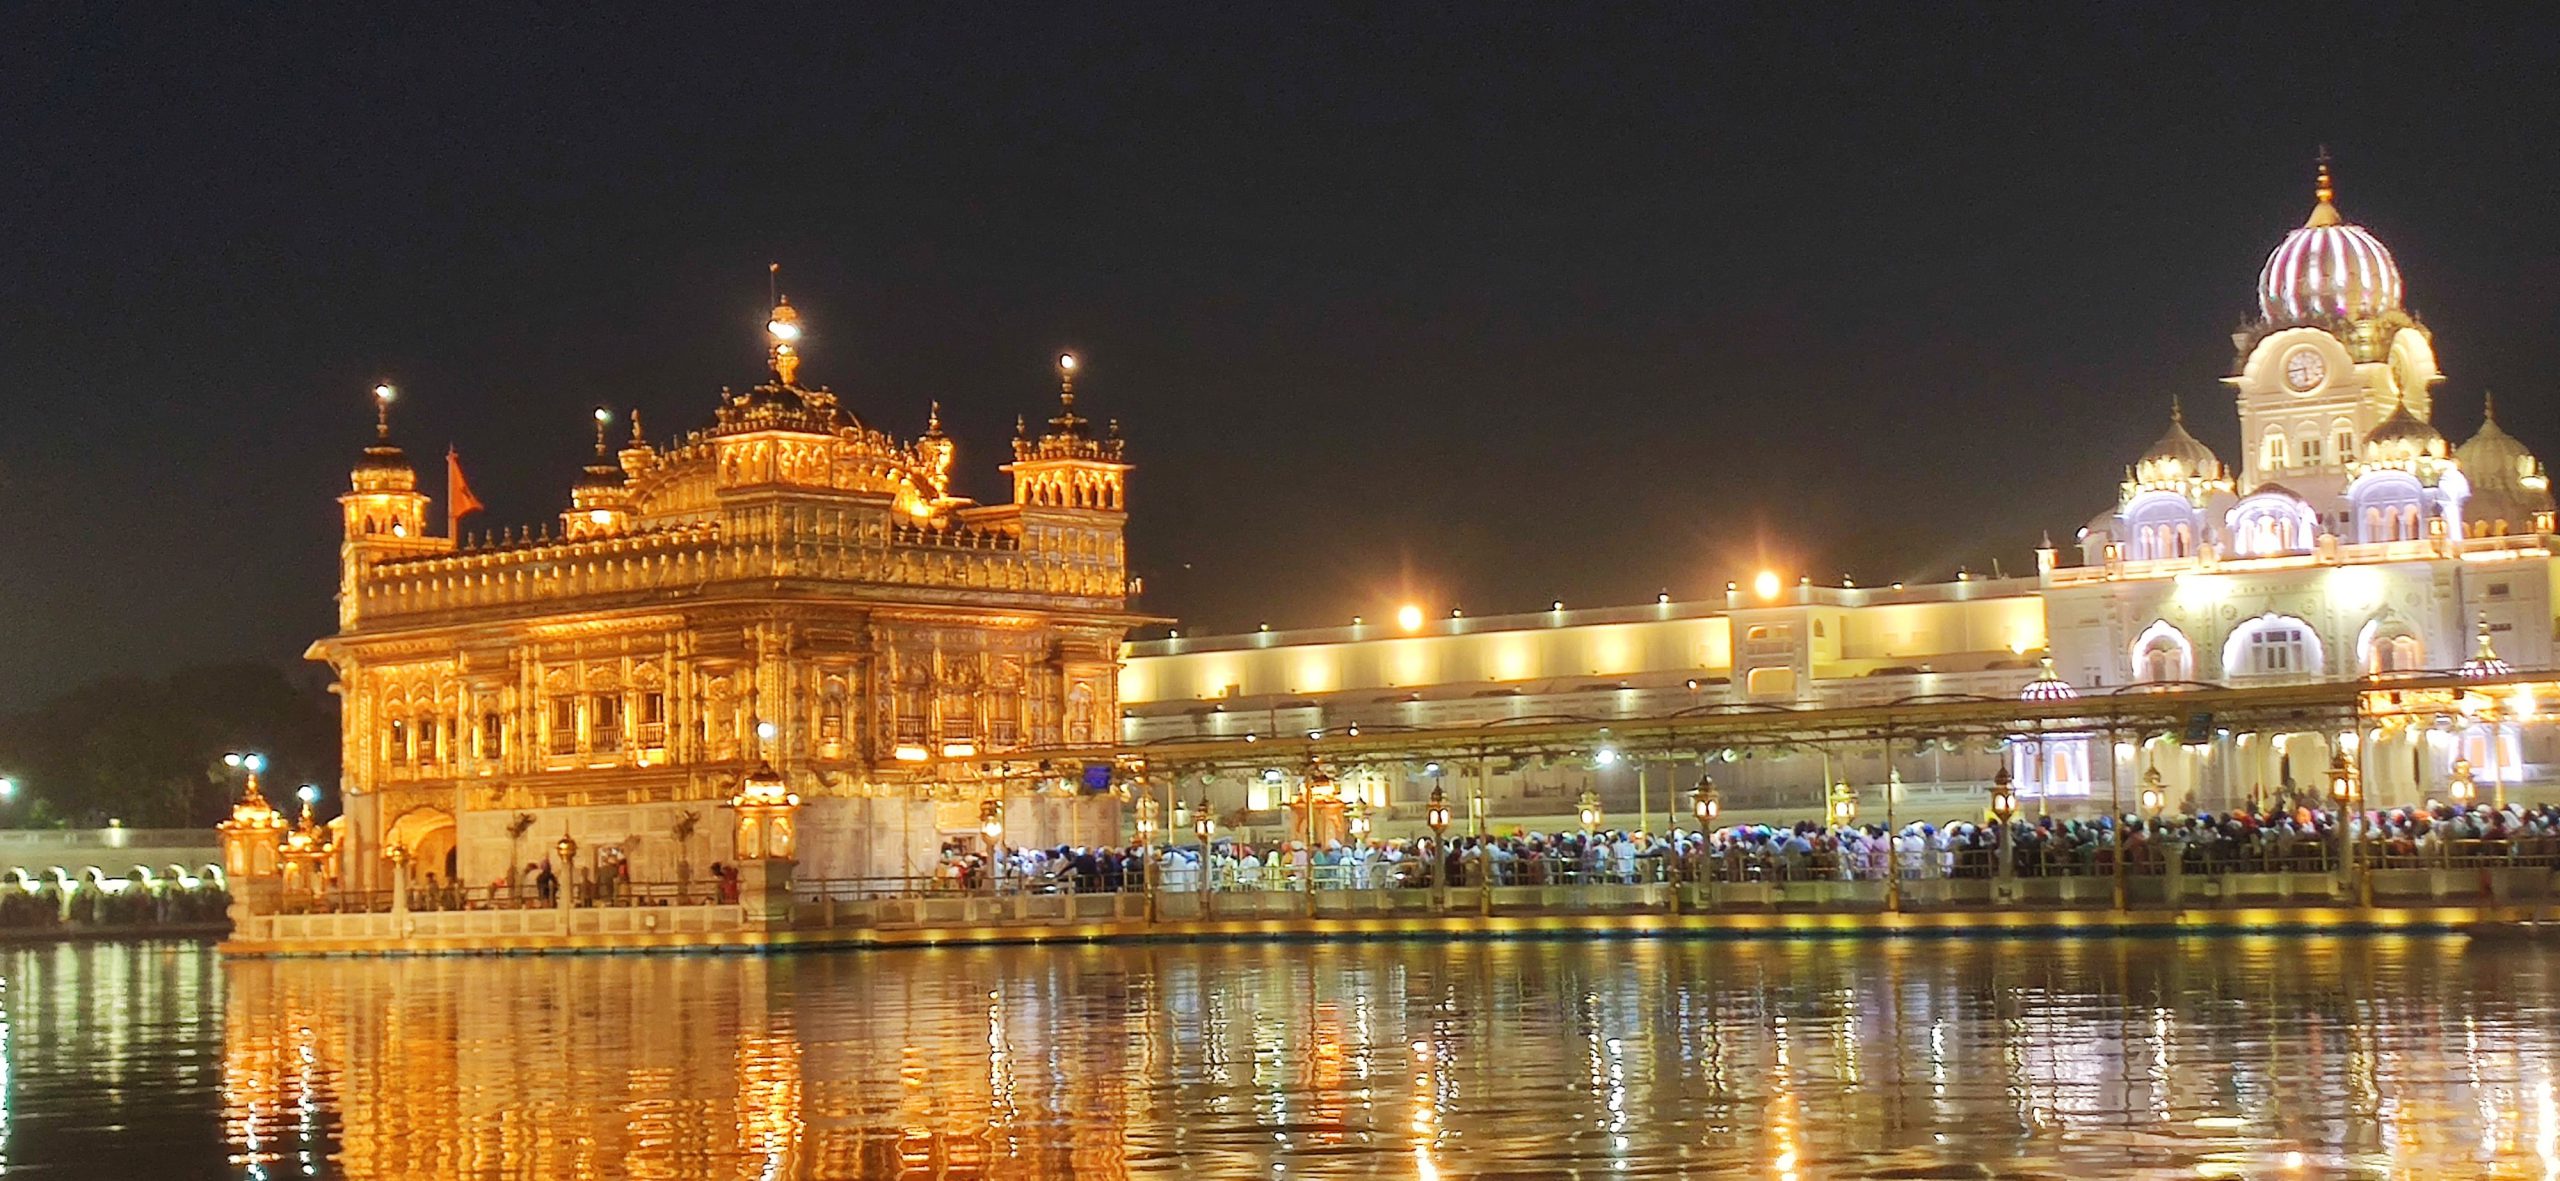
[[2178, 455], [2496, 461], [2328, 270]]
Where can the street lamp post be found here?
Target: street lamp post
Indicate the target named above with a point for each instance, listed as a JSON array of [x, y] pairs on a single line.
[[1435, 816], [1706, 805], [399, 856], [1147, 848], [2342, 797], [2004, 804], [1484, 840], [1204, 824], [567, 847]]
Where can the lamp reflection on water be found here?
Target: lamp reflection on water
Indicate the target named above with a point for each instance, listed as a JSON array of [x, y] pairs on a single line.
[[2071, 1057]]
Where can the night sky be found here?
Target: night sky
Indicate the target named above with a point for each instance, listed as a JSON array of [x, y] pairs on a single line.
[[1478, 305]]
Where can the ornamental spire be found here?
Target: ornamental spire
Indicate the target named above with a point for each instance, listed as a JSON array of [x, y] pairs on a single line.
[[2484, 661], [782, 332], [382, 396], [2324, 210], [604, 418]]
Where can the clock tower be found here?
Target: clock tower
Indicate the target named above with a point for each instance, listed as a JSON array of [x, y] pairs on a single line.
[[2332, 355]]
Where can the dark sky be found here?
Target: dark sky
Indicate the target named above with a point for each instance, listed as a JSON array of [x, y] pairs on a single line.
[[1483, 304]]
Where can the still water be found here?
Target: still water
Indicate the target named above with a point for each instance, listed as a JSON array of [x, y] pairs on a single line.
[[2083, 1059]]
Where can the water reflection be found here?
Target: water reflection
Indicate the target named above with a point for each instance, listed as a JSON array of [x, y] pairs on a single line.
[[2099, 1058]]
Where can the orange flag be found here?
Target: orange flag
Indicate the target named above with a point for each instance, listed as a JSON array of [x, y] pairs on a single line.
[[458, 500]]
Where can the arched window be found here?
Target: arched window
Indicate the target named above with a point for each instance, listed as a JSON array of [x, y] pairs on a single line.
[[831, 710], [2271, 454], [1080, 714], [2272, 646], [2161, 653], [2343, 433]]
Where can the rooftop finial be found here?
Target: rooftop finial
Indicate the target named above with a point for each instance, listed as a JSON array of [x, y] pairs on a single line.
[[933, 420], [1068, 422], [2323, 211], [603, 418], [2177, 413], [2488, 406], [638, 439], [782, 332], [382, 396]]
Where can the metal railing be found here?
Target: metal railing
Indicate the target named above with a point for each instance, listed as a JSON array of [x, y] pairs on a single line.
[[422, 897]]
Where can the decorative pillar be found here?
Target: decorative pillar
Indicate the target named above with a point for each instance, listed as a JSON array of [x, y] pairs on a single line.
[[768, 845], [250, 865], [399, 855]]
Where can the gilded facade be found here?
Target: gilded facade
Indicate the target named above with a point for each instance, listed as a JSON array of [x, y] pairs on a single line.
[[786, 585]]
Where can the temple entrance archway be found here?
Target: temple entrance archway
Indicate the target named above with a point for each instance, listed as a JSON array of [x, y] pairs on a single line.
[[428, 834]]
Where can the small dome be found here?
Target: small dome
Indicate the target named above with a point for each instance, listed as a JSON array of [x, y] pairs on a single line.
[[2328, 270], [383, 468], [383, 457], [2048, 686], [2403, 436], [2493, 459], [600, 475], [2178, 455]]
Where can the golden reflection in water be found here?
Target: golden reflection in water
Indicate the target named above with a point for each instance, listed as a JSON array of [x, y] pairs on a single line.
[[1790, 1060]]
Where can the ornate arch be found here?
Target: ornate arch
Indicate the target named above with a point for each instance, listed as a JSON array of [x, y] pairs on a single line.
[[2388, 642], [2163, 636], [2237, 648]]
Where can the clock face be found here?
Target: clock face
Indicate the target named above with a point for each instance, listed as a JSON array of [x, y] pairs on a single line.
[[2304, 370]]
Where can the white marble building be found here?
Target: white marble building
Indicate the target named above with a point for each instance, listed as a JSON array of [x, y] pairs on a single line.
[[2351, 538]]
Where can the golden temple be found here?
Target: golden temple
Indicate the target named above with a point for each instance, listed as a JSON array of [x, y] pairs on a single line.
[[786, 585]]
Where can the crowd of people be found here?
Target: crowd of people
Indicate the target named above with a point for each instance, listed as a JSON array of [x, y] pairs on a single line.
[[138, 904], [2283, 835]]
